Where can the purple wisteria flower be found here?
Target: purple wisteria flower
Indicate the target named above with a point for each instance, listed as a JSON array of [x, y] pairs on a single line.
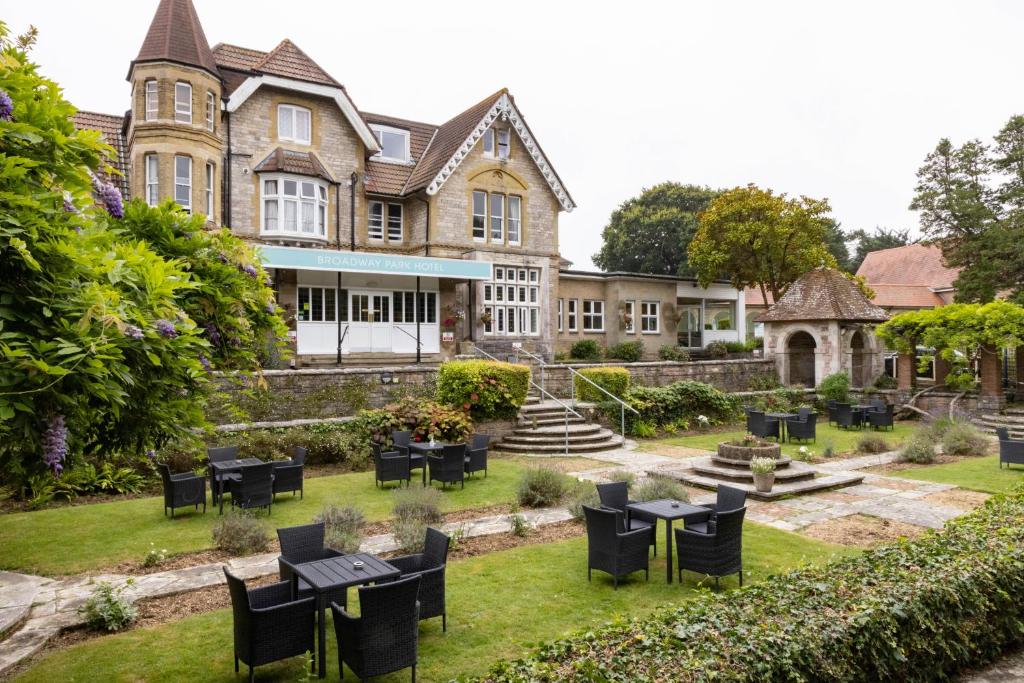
[[69, 206], [166, 328], [205, 362], [55, 444], [151, 454], [271, 307], [109, 195], [213, 333], [6, 106], [133, 332], [222, 257], [249, 270]]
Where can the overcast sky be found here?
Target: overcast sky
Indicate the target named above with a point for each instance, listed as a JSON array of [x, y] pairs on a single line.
[[815, 98]]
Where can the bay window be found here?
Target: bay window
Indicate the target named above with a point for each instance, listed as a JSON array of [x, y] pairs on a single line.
[[294, 206], [512, 302], [209, 189], [152, 180], [294, 123], [182, 102], [211, 110], [152, 101], [593, 316], [183, 182]]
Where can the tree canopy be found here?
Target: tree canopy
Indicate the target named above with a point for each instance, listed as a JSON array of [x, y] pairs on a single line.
[[650, 233], [880, 238], [757, 238], [957, 327], [835, 242]]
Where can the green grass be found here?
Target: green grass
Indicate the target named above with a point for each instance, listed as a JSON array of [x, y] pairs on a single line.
[[499, 605], [69, 540], [977, 474], [843, 442]]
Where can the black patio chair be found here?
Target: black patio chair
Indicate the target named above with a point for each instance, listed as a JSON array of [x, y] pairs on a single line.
[[449, 467], [845, 416], [717, 553], [877, 404], [269, 625], [384, 637], [881, 418], [802, 429], [803, 412], [255, 488], [726, 498], [762, 426], [401, 442], [615, 496], [430, 567], [615, 552], [220, 454], [1011, 451], [389, 466], [476, 455], [305, 543], [830, 407], [289, 474], [182, 490]]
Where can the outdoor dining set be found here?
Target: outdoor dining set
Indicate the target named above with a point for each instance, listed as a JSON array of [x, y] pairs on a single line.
[[288, 618], [802, 425], [448, 463]]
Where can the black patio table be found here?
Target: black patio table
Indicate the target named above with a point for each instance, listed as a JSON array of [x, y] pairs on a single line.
[[425, 448], [332, 573], [863, 410], [782, 417], [226, 467], [668, 510]]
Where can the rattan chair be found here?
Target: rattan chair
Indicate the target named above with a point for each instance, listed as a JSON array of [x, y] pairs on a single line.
[[615, 496], [1011, 451], [476, 455], [830, 408], [401, 442], [301, 544], [614, 552], [390, 466], [430, 567], [289, 474], [182, 490], [882, 418], [449, 467], [384, 637], [269, 625], [762, 426], [220, 454], [802, 429], [717, 553], [255, 488], [845, 416], [726, 498]]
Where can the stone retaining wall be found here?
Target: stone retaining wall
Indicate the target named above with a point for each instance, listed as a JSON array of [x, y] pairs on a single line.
[[727, 375]]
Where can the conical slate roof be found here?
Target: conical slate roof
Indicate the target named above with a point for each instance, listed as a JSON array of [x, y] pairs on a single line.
[[824, 294], [175, 35]]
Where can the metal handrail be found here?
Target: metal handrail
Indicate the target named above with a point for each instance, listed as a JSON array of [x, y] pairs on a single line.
[[341, 340], [409, 334]]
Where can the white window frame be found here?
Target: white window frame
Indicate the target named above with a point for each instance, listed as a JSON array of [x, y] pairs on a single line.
[[375, 224], [293, 135], [517, 222], [181, 181], [515, 308], [210, 175], [327, 315], [593, 312], [484, 227], [211, 110], [379, 131], [152, 179], [152, 97], [182, 109], [316, 204], [395, 229], [650, 314], [630, 311], [560, 307], [382, 227], [503, 144], [573, 315], [489, 143], [496, 221]]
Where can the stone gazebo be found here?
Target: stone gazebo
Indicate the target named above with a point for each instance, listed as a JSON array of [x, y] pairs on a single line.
[[822, 325]]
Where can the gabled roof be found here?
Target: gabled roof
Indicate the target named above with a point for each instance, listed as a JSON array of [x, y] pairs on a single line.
[[111, 128], [175, 35], [388, 177], [919, 265], [823, 294], [289, 61], [289, 161], [906, 296]]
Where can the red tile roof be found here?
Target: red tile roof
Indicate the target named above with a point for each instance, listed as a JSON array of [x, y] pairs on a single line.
[[288, 161], [175, 35], [110, 127], [752, 297], [823, 294], [905, 296], [289, 61], [918, 265], [390, 178]]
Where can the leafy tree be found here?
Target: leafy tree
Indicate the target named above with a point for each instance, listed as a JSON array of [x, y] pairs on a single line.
[[650, 233], [760, 239], [880, 238], [96, 353], [835, 242]]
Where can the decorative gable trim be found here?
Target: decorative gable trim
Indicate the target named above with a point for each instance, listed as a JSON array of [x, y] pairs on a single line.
[[507, 111], [253, 83]]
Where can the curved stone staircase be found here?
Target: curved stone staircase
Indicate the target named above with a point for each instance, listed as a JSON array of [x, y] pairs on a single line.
[[541, 429], [1012, 418]]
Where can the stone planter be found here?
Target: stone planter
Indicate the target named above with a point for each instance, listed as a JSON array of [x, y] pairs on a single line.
[[745, 453], [763, 481]]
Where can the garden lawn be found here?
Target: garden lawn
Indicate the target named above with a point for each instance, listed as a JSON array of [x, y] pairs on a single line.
[[843, 441], [73, 539], [499, 605], [977, 474]]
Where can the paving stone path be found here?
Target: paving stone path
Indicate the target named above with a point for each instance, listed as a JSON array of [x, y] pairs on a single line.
[[37, 608]]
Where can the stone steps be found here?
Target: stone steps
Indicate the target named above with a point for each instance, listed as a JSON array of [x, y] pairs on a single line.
[[707, 467], [611, 443], [541, 428], [780, 490], [548, 421]]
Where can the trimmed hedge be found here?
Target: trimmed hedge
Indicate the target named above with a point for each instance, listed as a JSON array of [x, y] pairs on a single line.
[[485, 388], [631, 351], [612, 379], [585, 349], [911, 611]]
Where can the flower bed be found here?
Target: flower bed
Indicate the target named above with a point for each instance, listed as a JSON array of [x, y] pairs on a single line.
[[913, 611]]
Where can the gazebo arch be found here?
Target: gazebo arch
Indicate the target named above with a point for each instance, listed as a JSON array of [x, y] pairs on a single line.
[[800, 351]]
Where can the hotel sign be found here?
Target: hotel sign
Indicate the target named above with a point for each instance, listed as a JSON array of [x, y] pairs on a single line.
[[372, 263]]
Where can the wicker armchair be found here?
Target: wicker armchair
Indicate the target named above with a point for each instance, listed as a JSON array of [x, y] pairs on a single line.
[[717, 553], [429, 566], [802, 429], [255, 488], [229, 478], [390, 466], [761, 426], [476, 455], [306, 544], [449, 467], [845, 416], [831, 407], [881, 418], [182, 490], [1011, 451], [288, 474], [268, 624], [611, 551], [402, 441], [384, 637], [615, 496], [726, 498]]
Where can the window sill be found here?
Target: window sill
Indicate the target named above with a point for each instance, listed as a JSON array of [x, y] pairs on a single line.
[[279, 235], [391, 160]]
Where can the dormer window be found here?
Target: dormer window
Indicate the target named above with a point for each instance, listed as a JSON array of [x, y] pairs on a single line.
[[394, 143], [497, 143], [294, 124]]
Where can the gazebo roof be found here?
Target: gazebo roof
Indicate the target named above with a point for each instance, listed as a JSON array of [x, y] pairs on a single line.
[[824, 294]]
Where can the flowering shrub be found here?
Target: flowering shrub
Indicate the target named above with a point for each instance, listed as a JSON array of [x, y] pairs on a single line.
[[425, 419], [484, 388], [154, 557], [762, 465], [614, 380]]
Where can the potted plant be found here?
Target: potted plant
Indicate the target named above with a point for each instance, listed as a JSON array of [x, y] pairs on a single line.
[[763, 470], [485, 317]]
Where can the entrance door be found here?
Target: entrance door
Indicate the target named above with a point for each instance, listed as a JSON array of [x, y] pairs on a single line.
[[370, 329], [690, 327], [380, 323]]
